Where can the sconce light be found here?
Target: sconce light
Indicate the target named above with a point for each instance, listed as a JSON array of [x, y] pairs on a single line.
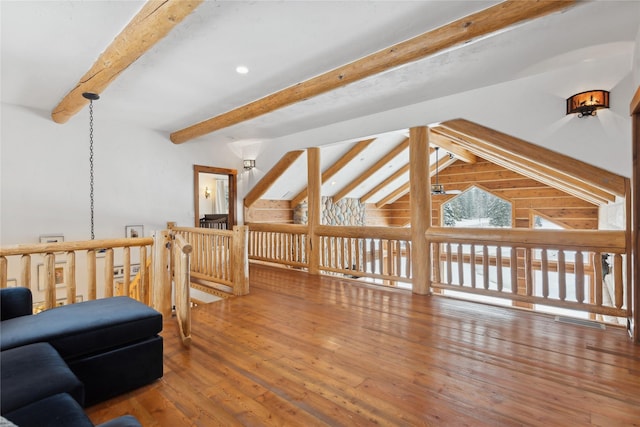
[[207, 192], [586, 103], [248, 164]]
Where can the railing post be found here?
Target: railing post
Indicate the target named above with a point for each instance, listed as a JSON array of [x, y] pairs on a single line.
[[420, 208], [240, 260], [314, 183], [161, 283]]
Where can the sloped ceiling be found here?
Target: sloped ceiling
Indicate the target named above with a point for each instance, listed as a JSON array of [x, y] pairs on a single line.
[[190, 74]]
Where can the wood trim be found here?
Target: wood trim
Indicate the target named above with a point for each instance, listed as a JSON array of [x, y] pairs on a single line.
[[635, 225], [635, 102], [463, 30], [334, 168], [522, 155], [270, 177], [373, 169], [233, 191], [154, 21]]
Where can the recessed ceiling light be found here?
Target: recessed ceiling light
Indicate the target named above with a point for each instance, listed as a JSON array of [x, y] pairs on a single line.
[[333, 183], [241, 69]]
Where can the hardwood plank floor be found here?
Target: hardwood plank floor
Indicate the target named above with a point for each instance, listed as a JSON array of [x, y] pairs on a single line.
[[306, 350]]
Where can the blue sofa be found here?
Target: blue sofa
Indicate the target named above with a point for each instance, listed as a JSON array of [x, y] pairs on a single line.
[[109, 346]]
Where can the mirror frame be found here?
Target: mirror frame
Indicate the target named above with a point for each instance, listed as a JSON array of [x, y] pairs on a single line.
[[231, 174]]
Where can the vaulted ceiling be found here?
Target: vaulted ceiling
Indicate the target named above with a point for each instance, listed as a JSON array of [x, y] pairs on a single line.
[[180, 70]]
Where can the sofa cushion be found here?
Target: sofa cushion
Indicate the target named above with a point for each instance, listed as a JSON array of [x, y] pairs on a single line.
[[85, 328], [123, 421], [15, 302], [54, 411], [34, 372]]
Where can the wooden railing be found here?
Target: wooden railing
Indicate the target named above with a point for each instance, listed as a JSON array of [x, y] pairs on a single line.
[[218, 257], [374, 252], [57, 278], [283, 244], [554, 268], [560, 268]]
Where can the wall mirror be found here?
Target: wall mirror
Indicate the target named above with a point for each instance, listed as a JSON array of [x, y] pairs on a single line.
[[214, 196]]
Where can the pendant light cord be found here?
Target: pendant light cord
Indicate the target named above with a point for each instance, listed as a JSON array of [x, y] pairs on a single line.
[[91, 163]]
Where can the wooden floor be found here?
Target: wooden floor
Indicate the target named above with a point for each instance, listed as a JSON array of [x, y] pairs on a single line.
[[305, 351]]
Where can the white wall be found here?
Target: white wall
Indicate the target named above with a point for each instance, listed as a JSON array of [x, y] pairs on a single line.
[[140, 177]]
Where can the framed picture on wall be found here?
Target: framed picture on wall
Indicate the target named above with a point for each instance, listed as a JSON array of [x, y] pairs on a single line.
[[59, 271], [51, 238], [133, 231]]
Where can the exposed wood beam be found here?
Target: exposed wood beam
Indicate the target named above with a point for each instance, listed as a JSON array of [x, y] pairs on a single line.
[[404, 188], [540, 159], [420, 210], [453, 148], [373, 169], [270, 177], [154, 21], [393, 196], [464, 30], [334, 168], [529, 169], [397, 174]]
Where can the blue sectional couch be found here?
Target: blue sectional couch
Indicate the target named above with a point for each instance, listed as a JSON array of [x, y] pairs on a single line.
[[83, 353]]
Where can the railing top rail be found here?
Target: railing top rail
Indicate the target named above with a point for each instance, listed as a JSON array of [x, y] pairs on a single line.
[[592, 240], [279, 228], [390, 233], [185, 247], [202, 230], [38, 248]]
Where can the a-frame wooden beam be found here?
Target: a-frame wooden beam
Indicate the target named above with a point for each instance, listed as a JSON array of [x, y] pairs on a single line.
[[448, 145], [270, 177], [404, 188], [373, 169], [463, 30], [334, 168], [557, 170], [154, 21]]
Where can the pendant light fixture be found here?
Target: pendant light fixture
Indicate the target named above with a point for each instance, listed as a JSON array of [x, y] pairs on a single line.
[[437, 188], [91, 97]]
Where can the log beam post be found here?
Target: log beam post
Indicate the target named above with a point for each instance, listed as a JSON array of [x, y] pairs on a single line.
[[419, 183]]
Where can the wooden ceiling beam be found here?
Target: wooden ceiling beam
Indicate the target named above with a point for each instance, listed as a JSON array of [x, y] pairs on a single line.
[[453, 148], [154, 21], [463, 30], [373, 169], [334, 168], [404, 188], [397, 174], [270, 177], [556, 164], [540, 173]]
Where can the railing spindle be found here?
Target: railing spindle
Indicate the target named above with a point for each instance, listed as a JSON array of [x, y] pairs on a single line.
[[579, 277], [598, 280], [70, 277], [514, 270], [562, 276], [485, 266], [545, 273], [460, 265], [91, 275], [49, 281], [472, 261], [499, 267], [3, 272], [449, 269], [25, 273], [618, 285]]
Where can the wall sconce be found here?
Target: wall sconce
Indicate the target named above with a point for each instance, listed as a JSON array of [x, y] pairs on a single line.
[[207, 192], [248, 164], [586, 103]]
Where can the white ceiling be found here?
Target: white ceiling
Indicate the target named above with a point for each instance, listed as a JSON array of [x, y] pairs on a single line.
[[190, 75]]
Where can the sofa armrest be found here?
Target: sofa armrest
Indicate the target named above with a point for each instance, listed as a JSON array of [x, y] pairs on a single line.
[[15, 302]]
